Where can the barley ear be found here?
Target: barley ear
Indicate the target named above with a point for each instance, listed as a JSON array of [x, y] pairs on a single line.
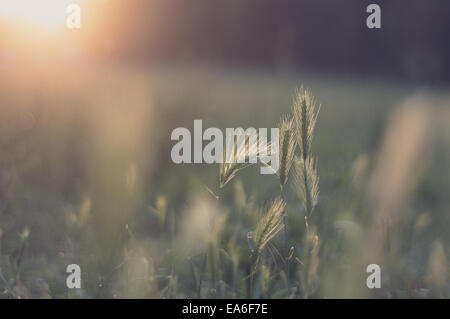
[[288, 143], [246, 149], [269, 225], [305, 111]]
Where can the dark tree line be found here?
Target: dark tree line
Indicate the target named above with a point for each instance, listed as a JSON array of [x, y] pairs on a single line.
[[324, 35], [329, 35]]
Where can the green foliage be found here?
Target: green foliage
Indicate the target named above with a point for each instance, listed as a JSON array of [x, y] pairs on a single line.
[[92, 183]]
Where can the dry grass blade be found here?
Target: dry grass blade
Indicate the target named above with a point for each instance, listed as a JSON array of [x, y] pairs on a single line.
[[306, 182], [288, 143], [305, 113]]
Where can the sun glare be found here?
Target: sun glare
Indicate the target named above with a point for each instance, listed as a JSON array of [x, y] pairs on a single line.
[[43, 14]]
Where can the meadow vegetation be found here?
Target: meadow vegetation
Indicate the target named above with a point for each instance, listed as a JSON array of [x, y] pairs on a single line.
[[86, 177]]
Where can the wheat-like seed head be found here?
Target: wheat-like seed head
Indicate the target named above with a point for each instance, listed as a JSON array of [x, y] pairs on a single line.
[[229, 170], [244, 149], [305, 112], [269, 225], [288, 142], [306, 182]]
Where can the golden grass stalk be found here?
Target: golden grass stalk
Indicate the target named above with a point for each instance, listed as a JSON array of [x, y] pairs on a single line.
[[305, 112], [288, 143]]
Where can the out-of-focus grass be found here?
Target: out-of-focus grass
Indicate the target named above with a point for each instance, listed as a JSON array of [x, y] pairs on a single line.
[[85, 167]]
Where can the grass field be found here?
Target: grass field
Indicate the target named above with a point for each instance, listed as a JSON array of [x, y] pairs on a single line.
[[86, 177]]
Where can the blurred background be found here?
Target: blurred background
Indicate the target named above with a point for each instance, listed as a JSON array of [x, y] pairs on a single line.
[[86, 175]]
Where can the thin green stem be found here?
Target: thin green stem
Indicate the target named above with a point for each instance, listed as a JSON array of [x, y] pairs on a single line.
[[308, 195]]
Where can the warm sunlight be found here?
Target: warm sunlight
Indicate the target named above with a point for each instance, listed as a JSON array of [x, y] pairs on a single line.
[[49, 15]]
